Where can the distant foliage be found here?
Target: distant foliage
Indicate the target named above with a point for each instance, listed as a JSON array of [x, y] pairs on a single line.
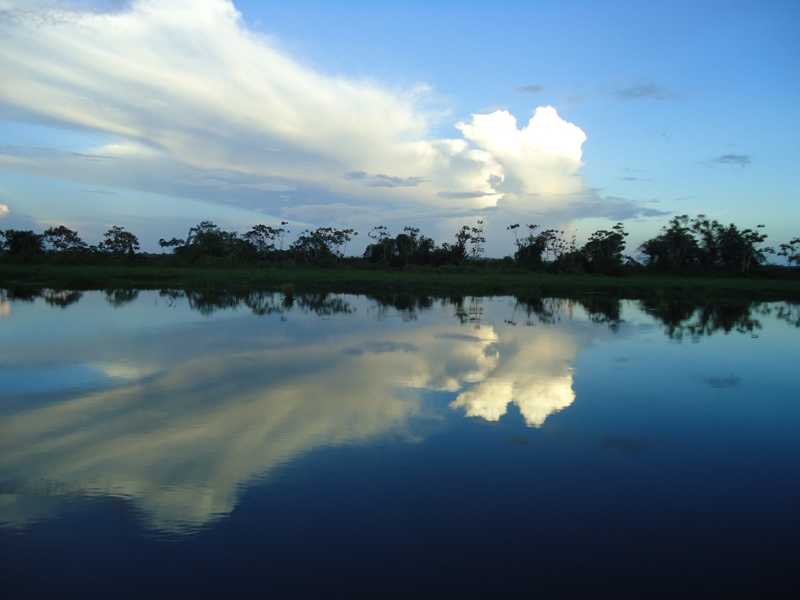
[[603, 251], [322, 246], [791, 251], [119, 243], [685, 245], [700, 243], [63, 239], [407, 248], [23, 243], [546, 250]]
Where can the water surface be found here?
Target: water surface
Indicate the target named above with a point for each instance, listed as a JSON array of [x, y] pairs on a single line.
[[172, 444]]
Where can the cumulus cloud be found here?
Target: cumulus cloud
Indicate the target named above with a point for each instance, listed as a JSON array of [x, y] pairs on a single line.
[[542, 158], [169, 97]]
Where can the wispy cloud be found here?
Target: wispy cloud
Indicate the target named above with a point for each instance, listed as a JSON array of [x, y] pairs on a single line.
[[531, 89], [734, 160], [463, 195], [642, 90], [381, 180]]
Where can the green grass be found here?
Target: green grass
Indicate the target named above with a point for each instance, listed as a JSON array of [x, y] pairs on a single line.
[[435, 282]]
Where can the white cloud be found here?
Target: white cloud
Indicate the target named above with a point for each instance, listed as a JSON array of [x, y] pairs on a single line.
[[181, 93], [543, 158]]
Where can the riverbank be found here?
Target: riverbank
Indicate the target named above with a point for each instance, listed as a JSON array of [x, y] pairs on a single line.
[[444, 282]]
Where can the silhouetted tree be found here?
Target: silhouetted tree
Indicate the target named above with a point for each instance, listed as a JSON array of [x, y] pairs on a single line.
[[384, 249], [675, 247], [705, 243], [407, 248], [603, 251], [743, 249], [322, 245], [23, 243], [791, 251], [457, 253], [263, 239], [173, 243], [568, 258], [119, 242], [476, 240], [530, 248], [413, 248], [204, 240], [63, 239]]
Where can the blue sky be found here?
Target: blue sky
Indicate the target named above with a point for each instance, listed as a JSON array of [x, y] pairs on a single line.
[[155, 115]]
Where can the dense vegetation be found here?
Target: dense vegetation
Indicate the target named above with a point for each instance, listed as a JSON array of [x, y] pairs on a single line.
[[261, 258], [683, 245]]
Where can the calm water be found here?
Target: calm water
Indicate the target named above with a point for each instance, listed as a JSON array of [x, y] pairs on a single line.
[[165, 445]]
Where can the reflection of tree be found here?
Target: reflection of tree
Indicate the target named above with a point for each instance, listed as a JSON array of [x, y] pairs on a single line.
[[267, 303], [537, 309], [693, 321], [468, 311], [789, 312], [403, 302], [23, 294], [602, 309], [208, 301], [322, 304], [171, 296], [61, 298], [672, 314], [261, 303], [119, 297], [406, 304], [599, 309]]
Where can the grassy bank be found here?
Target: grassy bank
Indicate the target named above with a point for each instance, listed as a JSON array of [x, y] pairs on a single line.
[[430, 282]]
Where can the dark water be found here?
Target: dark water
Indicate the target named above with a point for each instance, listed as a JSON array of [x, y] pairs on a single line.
[[172, 445]]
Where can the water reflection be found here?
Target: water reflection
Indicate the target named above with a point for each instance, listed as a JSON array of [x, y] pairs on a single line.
[[691, 321], [681, 319], [535, 372], [120, 297], [61, 298], [789, 313], [181, 404]]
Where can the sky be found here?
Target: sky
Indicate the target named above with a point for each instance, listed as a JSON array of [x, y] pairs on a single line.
[[573, 115]]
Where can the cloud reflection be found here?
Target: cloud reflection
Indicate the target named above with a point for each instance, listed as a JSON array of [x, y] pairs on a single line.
[[536, 376], [232, 401]]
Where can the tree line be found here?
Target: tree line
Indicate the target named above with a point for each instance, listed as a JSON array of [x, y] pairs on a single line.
[[687, 245]]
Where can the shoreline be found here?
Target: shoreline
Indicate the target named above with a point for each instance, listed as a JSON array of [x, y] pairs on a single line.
[[472, 282]]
